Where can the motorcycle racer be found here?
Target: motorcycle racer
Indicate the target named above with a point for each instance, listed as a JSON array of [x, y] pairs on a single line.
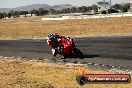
[[64, 46], [53, 41]]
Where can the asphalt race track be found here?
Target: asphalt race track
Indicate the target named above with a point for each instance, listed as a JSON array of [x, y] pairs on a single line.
[[116, 51]]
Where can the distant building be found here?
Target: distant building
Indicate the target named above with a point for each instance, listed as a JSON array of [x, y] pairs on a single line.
[[130, 6], [28, 15], [104, 4], [22, 15], [72, 14]]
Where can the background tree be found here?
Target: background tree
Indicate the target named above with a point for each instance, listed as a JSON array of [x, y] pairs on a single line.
[[89, 8], [58, 12], [45, 12], [5, 15], [126, 7], [117, 7], [52, 11], [34, 11], [17, 13], [1, 16], [73, 9], [67, 10], [80, 9], [12, 12], [95, 8], [41, 11], [112, 11], [9, 15], [103, 12], [84, 9], [23, 13]]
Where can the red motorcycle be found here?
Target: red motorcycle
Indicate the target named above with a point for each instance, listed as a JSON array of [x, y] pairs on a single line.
[[67, 48]]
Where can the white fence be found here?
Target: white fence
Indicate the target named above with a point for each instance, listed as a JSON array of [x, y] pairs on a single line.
[[108, 15], [54, 19], [91, 16]]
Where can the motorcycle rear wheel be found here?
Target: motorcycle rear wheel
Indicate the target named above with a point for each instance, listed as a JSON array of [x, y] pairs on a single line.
[[78, 53]]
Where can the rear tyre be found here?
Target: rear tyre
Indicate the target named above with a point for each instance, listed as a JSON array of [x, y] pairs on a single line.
[[78, 53]]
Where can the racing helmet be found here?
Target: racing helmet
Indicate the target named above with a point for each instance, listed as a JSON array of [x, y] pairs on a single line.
[[51, 36]]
